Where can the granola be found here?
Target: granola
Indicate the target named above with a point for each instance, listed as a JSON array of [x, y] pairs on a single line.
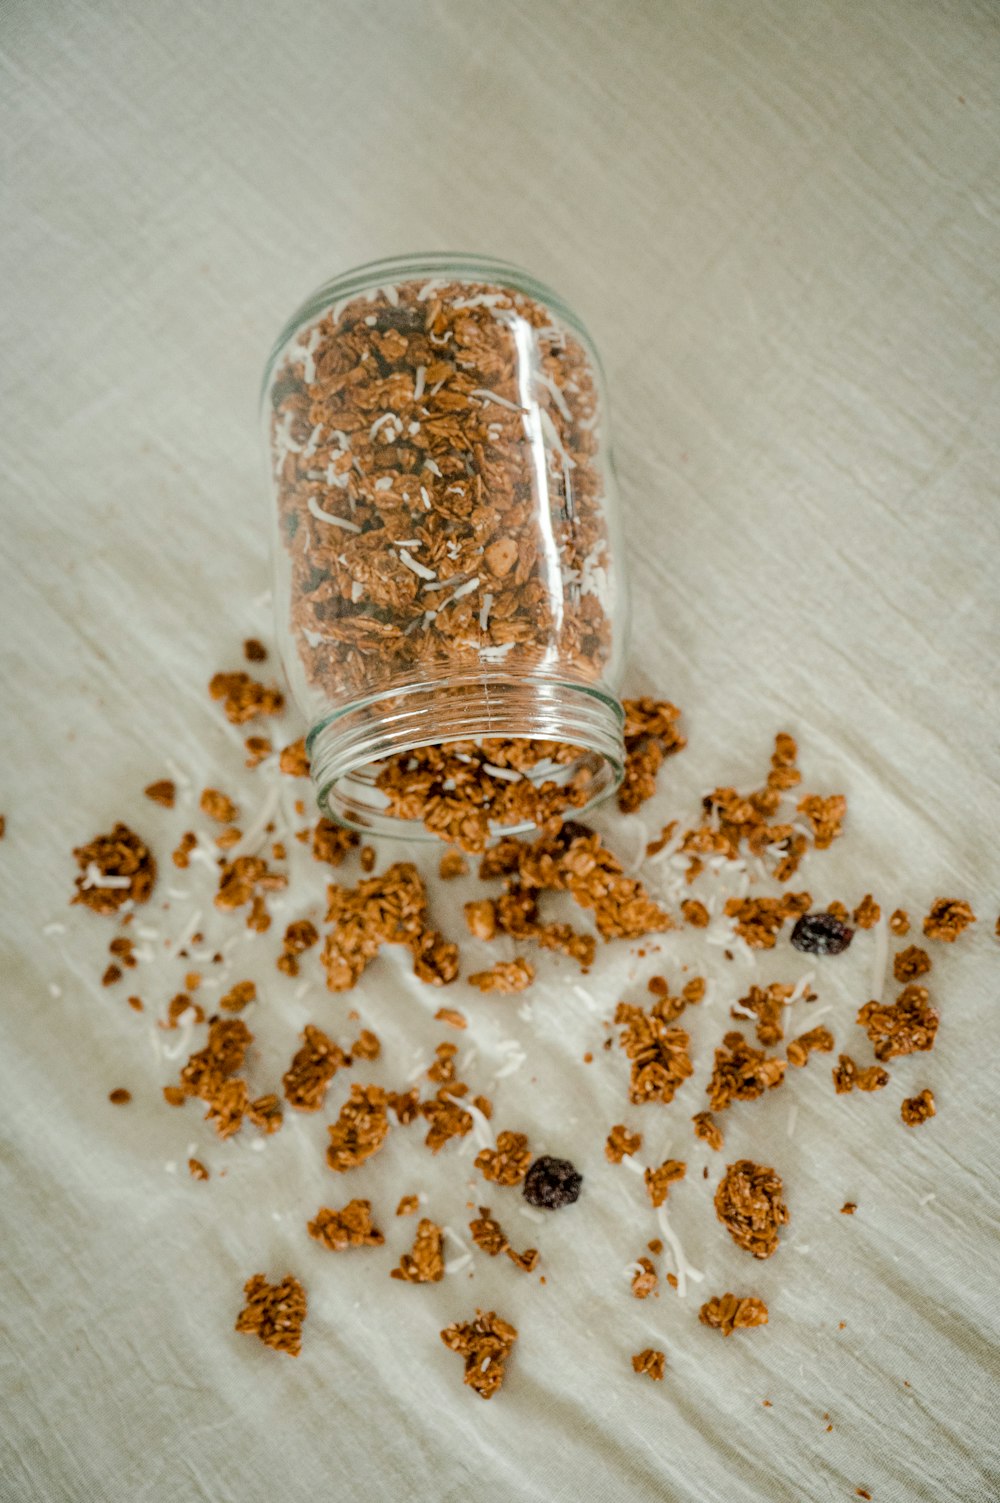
[[425, 1263], [651, 1363], [243, 698], [748, 1203], [360, 1130], [300, 936], [659, 1056], [489, 1236], [162, 792], [867, 913], [651, 735], [819, 1040], [917, 1109], [644, 1280], [742, 1073], [910, 963], [707, 1129], [767, 1003], [274, 1312], [505, 977], [658, 1181], [728, 1313], [947, 918], [389, 909], [899, 922], [485, 1343], [508, 1163], [905, 1027], [312, 1068], [350, 1227], [218, 806], [621, 1143], [115, 869], [848, 1077]]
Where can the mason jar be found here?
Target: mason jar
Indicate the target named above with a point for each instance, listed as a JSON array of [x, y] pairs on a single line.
[[447, 563]]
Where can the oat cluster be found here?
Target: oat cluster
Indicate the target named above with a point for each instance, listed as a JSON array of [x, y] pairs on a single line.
[[389, 909], [728, 1313], [274, 1312], [908, 1025], [748, 1202], [116, 868], [485, 1344], [742, 1073], [350, 1227]]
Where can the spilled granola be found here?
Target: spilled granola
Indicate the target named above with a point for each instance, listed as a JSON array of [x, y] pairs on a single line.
[[274, 1312], [486, 1344]]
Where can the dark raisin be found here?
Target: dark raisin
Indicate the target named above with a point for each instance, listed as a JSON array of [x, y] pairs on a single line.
[[552, 1183], [821, 934]]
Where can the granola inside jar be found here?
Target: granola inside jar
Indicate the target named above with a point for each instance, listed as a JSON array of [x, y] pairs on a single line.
[[447, 568]]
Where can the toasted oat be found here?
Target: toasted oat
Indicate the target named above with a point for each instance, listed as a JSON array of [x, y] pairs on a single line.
[[910, 963], [388, 909], [425, 1264], [331, 843], [899, 922], [867, 913], [452, 1017], [274, 1312], [767, 1004], [748, 1203], [485, 1343], [312, 1068], [659, 1054], [817, 1039], [446, 1117], [299, 937], [508, 1163], [947, 919], [907, 1026], [360, 1130], [408, 1205], [367, 1045], [826, 816], [917, 1109], [695, 913], [119, 1096], [848, 1208], [257, 748], [658, 1181], [452, 864], [238, 996], [742, 1073], [644, 1280], [265, 1113], [505, 977], [621, 1143], [406, 1105], [218, 806], [244, 698], [182, 855], [707, 1129], [650, 1362], [847, 1077], [114, 869], [162, 792], [197, 1169], [728, 1313], [350, 1227]]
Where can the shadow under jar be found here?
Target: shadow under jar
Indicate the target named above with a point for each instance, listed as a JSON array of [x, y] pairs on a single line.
[[452, 615]]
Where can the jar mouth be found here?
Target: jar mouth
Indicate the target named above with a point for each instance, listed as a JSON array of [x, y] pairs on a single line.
[[347, 750]]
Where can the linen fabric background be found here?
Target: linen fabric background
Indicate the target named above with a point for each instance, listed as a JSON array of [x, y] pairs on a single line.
[[780, 223]]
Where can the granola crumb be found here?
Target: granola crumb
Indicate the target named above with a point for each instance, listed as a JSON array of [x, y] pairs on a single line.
[[116, 868], [826, 816], [425, 1263], [182, 855], [947, 919], [312, 1068], [655, 1247], [848, 1077], [848, 1208], [257, 749], [508, 1163], [197, 1169], [243, 698], [818, 1040], [360, 1130], [486, 1344], [707, 1129], [910, 963], [452, 1017], [767, 1003], [621, 1143], [218, 806], [349, 1227], [136, 1004], [452, 864], [331, 843], [162, 792], [748, 1203], [238, 996], [300, 936], [658, 1053], [659, 1180], [274, 1312], [651, 1363], [742, 1073], [899, 922], [907, 1026], [917, 1109], [409, 1205], [254, 651], [695, 913], [506, 977], [388, 909], [728, 1313], [644, 1280], [119, 1096], [111, 974], [867, 913]]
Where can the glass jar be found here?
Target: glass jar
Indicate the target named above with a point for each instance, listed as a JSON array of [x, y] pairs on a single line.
[[446, 555]]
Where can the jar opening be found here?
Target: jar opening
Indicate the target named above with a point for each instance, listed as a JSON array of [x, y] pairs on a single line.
[[348, 751]]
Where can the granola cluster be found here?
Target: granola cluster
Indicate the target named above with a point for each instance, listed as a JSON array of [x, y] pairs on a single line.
[[274, 1312], [210, 1075], [728, 1313], [947, 919], [658, 1053], [742, 1073], [748, 1203], [485, 1344], [114, 869], [489, 1236], [424, 1264], [350, 1227], [908, 1025], [388, 909], [651, 1363]]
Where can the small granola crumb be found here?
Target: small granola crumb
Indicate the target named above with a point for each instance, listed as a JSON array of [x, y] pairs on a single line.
[[300, 936], [116, 868], [257, 749], [947, 919], [695, 913], [825, 815], [485, 1343], [218, 806], [408, 1205], [847, 1077], [452, 1017], [197, 1169], [910, 963], [818, 1039], [767, 1003], [658, 1181], [917, 1109], [274, 1312], [452, 864], [162, 793], [244, 698], [238, 996], [331, 843], [621, 1143], [899, 922], [650, 1362], [111, 974], [425, 1263], [254, 651], [728, 1313], [505, 977], [508, 1163], [908, 1026], [349, 1227], [848, 1208], [119, 1096], [707, 1129], [182, 855], [644, 1280], [748, 1203], [867, 913]]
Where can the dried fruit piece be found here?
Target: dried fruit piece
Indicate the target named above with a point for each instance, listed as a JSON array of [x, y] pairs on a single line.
[[274, 1312], [552, 1183], [485, 1343], [748, 1203], [821, 934], [728, 1313]]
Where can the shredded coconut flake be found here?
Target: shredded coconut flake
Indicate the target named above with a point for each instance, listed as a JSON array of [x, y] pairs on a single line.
[[324, 516]]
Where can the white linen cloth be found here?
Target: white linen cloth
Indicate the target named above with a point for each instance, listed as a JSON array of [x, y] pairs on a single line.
[[780, 223]]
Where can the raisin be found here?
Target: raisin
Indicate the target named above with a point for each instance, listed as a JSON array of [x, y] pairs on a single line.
[[821, 934], [552, 1183]]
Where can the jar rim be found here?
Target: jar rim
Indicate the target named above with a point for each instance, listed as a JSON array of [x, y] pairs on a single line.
[[459, 266]]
